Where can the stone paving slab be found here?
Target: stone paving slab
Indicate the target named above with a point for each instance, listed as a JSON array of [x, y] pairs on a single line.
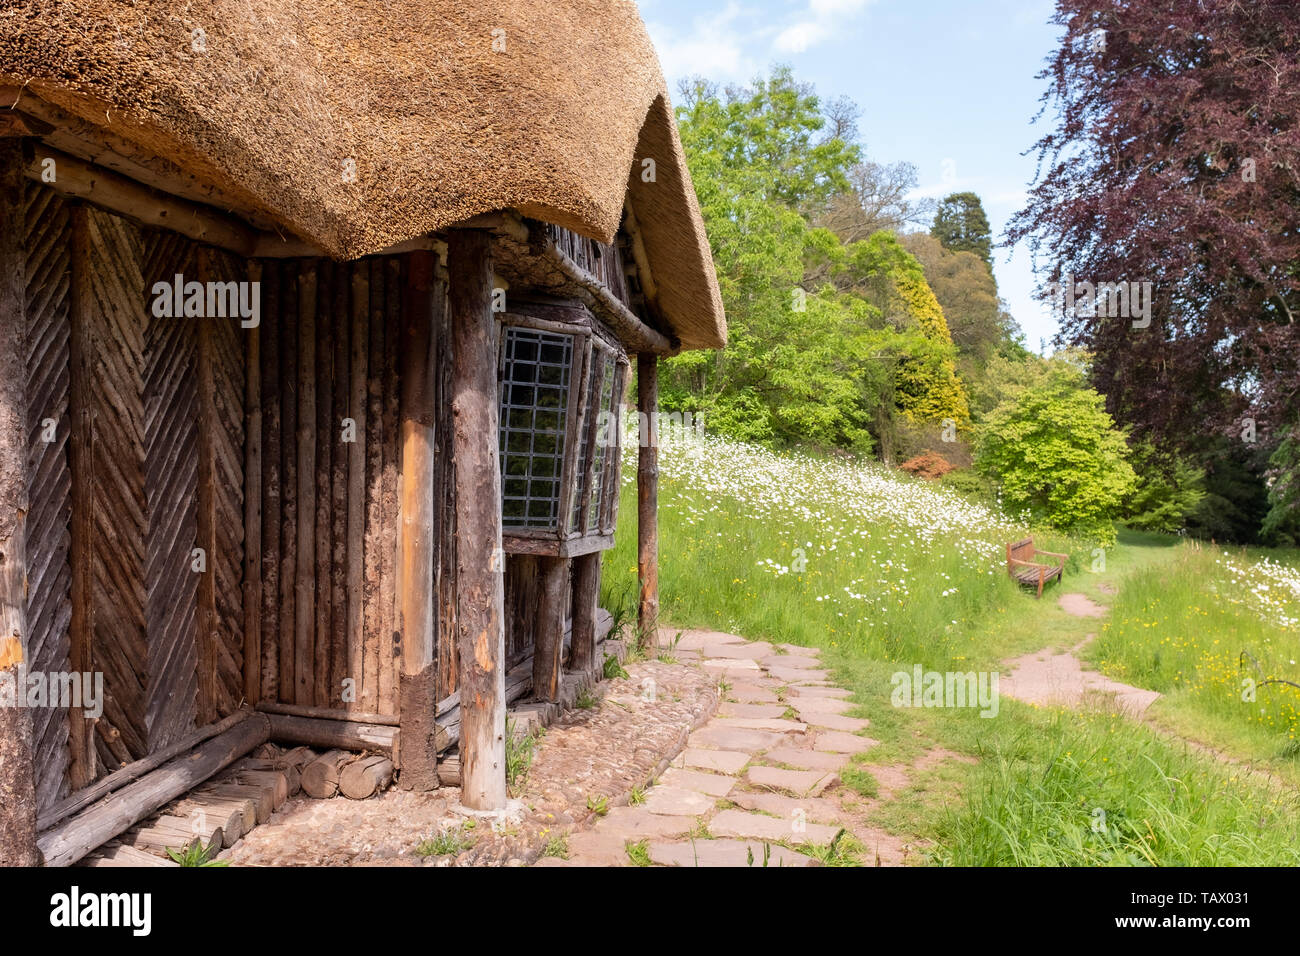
[[756, 826], [796, 675], [713, 784], [799, 649], [800, 783], [776, 724], [790, 660], [806, 690], [751, 711], [677, 802], [821, 705], [837, 722], [807, 759], [724, 761], [725, 853], [694, 640], [747, 693], [738, 668], [837, 741], [712, 736], [817, 810], [752, 652]]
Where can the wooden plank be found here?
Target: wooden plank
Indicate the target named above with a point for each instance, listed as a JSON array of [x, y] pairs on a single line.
[[358, 396], [339, 478], [81, 750], [647, 498], [390, 641], [47, 242], [324, 466], [445, 466], [374, 443], [252, 623], [171, 434], [305, 577], [72, 839], [288, 479], [17, 767], [271, 334], [478, 522], [116, 319], [329, 713], [207, 511]]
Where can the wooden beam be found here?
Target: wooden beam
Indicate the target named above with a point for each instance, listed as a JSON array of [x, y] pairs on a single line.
[[343, 734], [17, 768], [479, 559], [422, 304], [120, 777], [327, 713], [358, 390], [304, 587], [553, 573], [81, 180], [208, 630], [253, 508], [647, 499], [586, 595], [69, 841], [82, 757]]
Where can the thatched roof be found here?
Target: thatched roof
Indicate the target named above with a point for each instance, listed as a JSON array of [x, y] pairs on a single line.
[[280, 94]]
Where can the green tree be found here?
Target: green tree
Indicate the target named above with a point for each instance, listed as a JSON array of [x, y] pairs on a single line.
[[1168, 491], [962, 226], [1055, 454]]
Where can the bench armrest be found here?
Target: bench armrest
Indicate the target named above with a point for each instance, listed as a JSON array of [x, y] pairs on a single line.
[[1033, 564], [1053, 554]]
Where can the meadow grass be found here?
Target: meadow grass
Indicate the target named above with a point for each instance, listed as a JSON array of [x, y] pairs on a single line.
[[883, 572]]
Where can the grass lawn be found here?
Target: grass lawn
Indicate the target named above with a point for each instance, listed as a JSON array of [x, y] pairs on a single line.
[[885, 573]]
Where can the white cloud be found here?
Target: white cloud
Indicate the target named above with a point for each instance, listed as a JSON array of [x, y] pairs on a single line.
[[713, 46], [819, 21]]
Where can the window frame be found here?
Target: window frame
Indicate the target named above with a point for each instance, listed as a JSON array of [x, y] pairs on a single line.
[[565, 540]]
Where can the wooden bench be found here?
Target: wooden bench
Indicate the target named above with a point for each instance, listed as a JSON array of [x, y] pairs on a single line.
[[1022, 567]]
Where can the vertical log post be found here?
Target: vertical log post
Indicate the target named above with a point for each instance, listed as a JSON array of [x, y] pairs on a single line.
[[479, 561], [416, 528], [304, 586], [17, 771], [647, 500], [547, 651], [253, 506], [586, 594]]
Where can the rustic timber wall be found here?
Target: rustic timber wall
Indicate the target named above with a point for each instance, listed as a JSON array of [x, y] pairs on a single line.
[[330, 352], [136, 432]]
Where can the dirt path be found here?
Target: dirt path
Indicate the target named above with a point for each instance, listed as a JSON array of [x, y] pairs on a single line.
[[1058, 679]]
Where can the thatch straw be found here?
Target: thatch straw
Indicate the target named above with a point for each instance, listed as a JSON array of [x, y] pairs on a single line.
[[280, 94]]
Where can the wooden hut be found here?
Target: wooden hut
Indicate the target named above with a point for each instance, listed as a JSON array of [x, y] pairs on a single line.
[[309, 313]]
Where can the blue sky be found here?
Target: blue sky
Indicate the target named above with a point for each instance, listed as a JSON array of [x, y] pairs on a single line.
[[947, 85]]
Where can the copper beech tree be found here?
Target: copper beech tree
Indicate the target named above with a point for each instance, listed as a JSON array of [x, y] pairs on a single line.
[[1176, 160]]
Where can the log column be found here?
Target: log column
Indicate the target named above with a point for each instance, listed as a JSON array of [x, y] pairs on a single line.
[[647, 499], [479, 561], [17, 772], [586, 593], [547, 651], [421, 303]]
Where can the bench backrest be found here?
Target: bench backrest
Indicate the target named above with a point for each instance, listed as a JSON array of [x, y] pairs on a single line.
[[1020, 551]]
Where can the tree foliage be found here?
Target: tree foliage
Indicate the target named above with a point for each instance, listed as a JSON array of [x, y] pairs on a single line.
[[1056, 454], [961, 225]]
